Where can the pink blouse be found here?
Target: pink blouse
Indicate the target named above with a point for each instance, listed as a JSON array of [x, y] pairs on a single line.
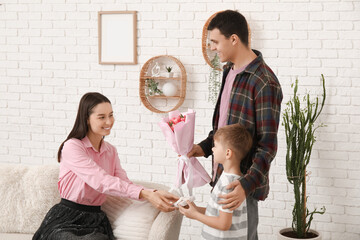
[[86, 175]]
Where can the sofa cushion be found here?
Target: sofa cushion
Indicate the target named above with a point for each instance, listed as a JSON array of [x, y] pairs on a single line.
[[16, 236], [26, 195]]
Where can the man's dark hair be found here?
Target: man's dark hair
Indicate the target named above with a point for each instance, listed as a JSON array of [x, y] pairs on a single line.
[[231, 22]]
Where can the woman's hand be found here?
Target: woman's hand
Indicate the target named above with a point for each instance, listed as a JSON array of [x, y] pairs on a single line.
[[190, 210], [162, 200], [233, 199]]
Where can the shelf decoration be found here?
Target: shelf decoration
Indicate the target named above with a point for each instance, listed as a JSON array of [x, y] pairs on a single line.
[[152, 87], [169, 89], [155, 70], [166, 90], [168, 69]]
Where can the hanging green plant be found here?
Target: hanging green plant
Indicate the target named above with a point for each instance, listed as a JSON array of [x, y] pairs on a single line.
[[152, 87], [214, 79]]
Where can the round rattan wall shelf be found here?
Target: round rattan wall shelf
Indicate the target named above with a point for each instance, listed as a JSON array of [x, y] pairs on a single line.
[[205, 42], [179, 79]]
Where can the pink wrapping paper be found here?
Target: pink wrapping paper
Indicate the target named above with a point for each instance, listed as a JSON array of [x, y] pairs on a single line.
[[189, 171]]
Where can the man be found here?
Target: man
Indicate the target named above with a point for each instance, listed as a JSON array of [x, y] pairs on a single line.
[[251, 95]]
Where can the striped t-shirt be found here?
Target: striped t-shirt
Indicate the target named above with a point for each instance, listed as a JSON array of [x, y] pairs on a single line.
[[238, 229]]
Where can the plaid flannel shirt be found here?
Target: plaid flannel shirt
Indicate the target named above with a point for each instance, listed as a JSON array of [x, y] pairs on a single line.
[[255, 102]]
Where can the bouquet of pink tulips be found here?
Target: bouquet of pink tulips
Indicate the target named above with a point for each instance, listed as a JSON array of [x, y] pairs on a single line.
[[178, 129]]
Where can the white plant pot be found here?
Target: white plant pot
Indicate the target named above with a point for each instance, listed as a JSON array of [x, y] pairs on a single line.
[[169, 89], [170, 74], [281, 237]]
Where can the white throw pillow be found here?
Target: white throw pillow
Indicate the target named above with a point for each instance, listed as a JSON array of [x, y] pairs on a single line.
[[130, 219], [26, 195]]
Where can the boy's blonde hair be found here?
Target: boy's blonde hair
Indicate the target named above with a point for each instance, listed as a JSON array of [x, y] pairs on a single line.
[[235, 137]]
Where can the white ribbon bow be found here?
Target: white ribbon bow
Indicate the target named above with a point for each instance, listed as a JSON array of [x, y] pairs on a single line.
[[185, 161]]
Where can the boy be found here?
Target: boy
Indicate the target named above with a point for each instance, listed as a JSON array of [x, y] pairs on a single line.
[[231, 145]]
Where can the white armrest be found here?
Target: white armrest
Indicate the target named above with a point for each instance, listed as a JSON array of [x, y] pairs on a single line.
[[166, 226]]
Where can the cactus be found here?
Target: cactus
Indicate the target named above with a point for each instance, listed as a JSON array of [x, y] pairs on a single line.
[[300, 137]]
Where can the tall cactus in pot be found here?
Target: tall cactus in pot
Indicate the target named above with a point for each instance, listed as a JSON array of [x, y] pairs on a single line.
[[300, 137]]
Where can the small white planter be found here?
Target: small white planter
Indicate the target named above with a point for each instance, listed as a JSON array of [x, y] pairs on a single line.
[[281, 237], [170, 74]]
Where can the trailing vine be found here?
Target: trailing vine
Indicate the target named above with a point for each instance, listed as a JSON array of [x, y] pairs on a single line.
[[152, 87], [214, 80]]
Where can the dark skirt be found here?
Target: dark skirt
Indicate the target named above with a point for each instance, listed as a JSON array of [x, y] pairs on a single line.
[[69, 220]]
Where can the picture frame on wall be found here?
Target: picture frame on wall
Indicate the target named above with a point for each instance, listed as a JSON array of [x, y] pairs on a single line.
[[117, 35]]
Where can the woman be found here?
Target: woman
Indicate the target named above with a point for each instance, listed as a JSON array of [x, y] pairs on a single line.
[[90, 169]]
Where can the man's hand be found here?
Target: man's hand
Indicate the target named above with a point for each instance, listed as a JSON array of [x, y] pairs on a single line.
[[196, 151], [190, 210], [162, 200], [233, 199]]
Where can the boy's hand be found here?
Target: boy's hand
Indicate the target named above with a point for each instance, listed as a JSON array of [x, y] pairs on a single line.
[[190, 210], [235, 198]]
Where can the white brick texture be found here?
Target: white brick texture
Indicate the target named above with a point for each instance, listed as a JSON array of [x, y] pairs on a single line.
[[49, 58]]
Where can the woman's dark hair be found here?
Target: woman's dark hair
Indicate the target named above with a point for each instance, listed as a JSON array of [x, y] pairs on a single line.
[[231, 22], [86, 105]]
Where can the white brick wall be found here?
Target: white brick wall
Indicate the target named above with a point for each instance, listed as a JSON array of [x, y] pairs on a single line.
[[48, 59]]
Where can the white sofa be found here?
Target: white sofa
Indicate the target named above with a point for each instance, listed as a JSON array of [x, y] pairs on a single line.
[[28, 192]]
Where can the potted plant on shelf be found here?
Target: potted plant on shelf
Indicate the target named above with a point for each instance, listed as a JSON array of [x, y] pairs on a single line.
[[169, 73], [300, 137], [152, 87]]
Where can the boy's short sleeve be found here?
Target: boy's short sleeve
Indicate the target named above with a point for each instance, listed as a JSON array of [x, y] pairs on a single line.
[[223, 191]]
